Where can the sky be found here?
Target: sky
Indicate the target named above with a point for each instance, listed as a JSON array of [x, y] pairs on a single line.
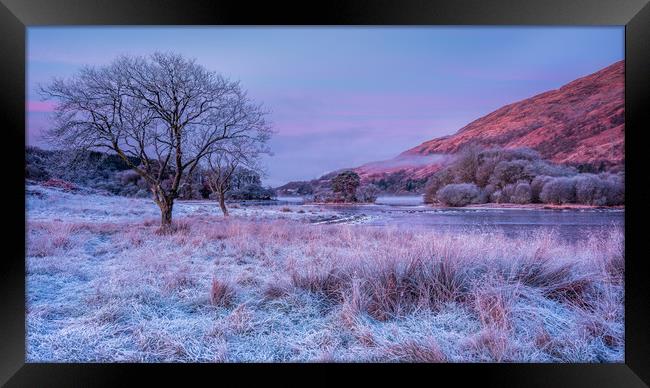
[[342, 97]]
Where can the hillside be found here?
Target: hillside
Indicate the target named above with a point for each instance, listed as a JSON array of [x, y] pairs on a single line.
[[581, 123]]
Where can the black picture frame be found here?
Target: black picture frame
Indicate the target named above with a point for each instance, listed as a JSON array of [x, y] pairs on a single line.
[[17, 15]]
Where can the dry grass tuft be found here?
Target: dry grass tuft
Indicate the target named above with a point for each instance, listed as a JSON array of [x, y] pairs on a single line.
[[329, 283], [490, 344], [492, 308], [222, 293], [48, 239], [181, 226], [277, 289], [180, 279], [418, 351]]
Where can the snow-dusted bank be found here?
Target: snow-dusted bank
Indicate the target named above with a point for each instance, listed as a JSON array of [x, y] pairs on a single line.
[[84, 205], [269, 284]]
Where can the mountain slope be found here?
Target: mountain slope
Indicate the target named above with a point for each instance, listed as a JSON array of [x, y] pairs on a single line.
[[580, 123]]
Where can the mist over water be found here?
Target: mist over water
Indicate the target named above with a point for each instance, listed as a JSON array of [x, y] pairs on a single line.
[[405, 161]]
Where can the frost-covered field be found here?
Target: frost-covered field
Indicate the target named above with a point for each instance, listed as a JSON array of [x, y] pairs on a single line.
[[274, 285], [48, 204]]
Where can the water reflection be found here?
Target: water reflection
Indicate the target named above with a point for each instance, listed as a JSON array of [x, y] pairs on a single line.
[[572, 225]]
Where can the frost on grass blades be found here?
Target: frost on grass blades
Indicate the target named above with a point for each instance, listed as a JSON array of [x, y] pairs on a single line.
[[189, 208], [275, 288]]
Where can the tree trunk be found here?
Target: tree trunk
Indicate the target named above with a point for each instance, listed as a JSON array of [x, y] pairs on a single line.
[[222, 204], [166, 204], [166, 215]]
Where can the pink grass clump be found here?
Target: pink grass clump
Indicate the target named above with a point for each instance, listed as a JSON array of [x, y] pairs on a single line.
[[424, 350], [222, 293]]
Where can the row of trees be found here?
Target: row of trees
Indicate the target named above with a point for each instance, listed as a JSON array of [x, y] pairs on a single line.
[[519, 176], [166, 117], [108, 173], [400, 182]]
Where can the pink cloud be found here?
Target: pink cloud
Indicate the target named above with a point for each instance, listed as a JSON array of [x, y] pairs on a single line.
[[296, 114], [39, 106]]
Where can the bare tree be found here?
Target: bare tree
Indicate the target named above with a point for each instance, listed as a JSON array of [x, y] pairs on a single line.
[[221, 167], [223, 162], [164, 110]]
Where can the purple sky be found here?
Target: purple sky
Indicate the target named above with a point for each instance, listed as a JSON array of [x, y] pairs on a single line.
[[341, 97]]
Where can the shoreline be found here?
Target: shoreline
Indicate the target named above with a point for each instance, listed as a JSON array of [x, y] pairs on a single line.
[[485, 206], [533, 206]]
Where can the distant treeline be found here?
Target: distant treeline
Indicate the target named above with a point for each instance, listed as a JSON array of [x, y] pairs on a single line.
[[108, 173], [478, 175], [398, 182], [520, 176]]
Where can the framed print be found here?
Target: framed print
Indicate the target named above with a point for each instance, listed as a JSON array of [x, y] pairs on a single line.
[[394, 187]]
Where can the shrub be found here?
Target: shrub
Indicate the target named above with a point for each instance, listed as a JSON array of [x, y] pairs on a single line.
[[459, 194], [559, 190], [325, 196], [508, 191], [509, 172], [541, 167], [36, 173], [252, 191], [489, 159], [519, 176], [143, 193], [435, 183], [83, 168], [399, 182], [128, 177], [368, 193], [194, 190], [498, 197], [522, 193], [466, 164], [537, 185], [488, 190], [590, 189], [614, 189]]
